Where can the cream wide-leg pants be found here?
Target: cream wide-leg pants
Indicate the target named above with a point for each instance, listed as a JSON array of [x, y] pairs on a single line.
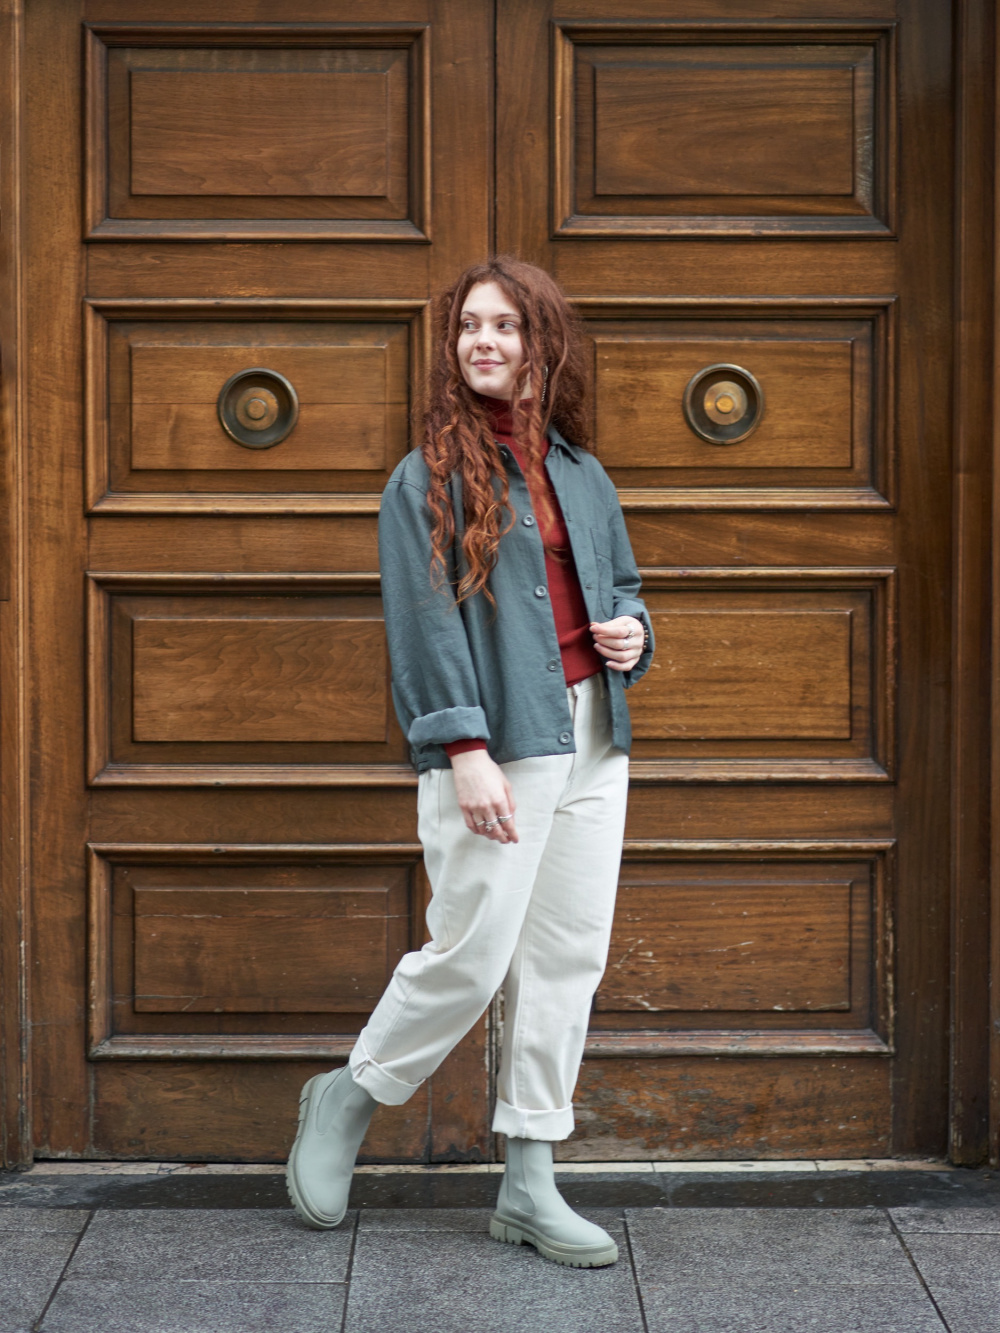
[[534, 916]]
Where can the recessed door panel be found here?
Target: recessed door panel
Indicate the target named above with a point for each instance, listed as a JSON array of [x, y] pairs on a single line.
[[165, 426], [300, 130], [687, 128]]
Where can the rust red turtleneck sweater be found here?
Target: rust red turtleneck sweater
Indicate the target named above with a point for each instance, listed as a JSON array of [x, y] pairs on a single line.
[[580, 658]]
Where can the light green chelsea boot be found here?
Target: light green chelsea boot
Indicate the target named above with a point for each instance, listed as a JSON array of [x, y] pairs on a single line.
[[531, 1211], [334, 1113]]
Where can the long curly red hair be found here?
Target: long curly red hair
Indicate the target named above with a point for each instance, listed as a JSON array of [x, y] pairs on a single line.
[[457, 436]]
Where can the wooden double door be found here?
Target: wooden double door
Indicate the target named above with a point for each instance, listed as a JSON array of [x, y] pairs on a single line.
[[226, 318]]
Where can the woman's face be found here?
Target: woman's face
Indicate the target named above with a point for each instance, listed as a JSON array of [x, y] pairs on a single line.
[[490, 350]]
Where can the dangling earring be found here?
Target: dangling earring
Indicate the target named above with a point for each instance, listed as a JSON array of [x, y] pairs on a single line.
[[545, 383]]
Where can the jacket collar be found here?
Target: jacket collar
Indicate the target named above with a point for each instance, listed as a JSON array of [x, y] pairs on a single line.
[[570, 450]]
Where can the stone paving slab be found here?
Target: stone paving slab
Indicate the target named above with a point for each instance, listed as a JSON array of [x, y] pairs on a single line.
[[955, 1260], [456, 1219], [63, 1220], [86, 1305], [30, 1266], [982, 1221], [741, 1306], [194, 1244], [971, 1308], [463, 1282], [804, 1246], [427, 1219]]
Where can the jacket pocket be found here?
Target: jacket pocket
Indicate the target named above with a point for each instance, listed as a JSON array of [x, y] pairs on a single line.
[[605, 585]]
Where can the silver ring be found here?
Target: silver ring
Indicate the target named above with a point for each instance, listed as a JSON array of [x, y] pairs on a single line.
[[502, 819], [491, 823], [480, 823]]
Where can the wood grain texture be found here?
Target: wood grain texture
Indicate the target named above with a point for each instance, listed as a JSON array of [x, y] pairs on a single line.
[[991, 102], [728, 1108], [654, 1043], [177, 540], [119, 269], [766, 128], [157, 1111], [254, 679], [354, 369], [734, 947], [260, 950], [920, 1076], [182, 437], [971, 781], [258, 133], [52, 388], [15, 911], [791, 14], [732, 674]]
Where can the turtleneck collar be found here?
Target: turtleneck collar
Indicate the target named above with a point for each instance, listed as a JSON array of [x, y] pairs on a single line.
[[502, 418], [501, 413]]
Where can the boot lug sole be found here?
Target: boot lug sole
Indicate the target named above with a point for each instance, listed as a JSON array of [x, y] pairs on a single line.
[[516, 1233]]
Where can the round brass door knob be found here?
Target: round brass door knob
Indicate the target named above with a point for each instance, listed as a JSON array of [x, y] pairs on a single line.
[[258, 408], [723, 404]]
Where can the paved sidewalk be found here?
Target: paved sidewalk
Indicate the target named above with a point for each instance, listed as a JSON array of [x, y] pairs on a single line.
[[164, 1266]]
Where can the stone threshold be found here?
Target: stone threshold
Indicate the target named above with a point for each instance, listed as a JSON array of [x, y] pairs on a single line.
[[52, 1167]]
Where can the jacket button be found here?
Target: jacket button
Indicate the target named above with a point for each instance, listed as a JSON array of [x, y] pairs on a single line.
[[564, 738], [528, 521], [541, 590], [553, 665]]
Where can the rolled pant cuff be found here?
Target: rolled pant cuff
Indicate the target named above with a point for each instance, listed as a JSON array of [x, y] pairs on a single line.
[[518, 1124], [376, 1080]]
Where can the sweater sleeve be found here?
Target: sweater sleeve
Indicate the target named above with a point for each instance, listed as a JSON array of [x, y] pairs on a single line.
[[433, 679], [463, 747]]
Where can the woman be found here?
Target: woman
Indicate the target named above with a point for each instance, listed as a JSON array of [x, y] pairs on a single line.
[[514, 625]]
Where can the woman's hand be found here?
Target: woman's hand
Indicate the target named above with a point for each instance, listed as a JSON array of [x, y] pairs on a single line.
[[619, 640], [484, 796]]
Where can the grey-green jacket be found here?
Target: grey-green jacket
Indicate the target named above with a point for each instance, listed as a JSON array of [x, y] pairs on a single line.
[[466, 671]]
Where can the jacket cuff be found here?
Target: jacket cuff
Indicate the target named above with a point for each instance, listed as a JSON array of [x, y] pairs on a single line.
[[448, 724], [629, 606]]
